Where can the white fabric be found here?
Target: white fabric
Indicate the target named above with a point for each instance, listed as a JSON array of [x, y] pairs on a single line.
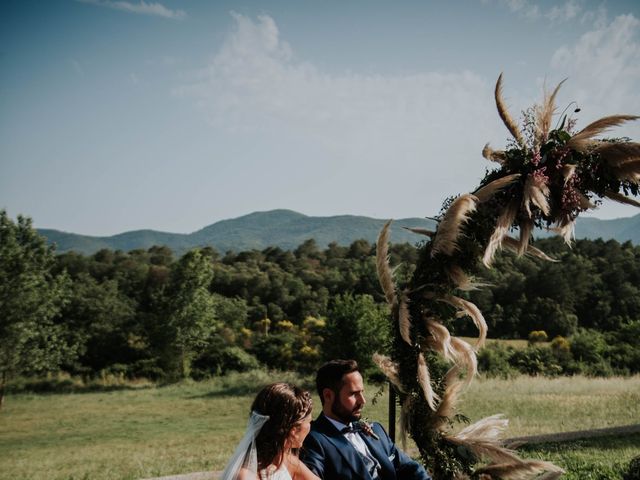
[[246, 455], [270, 473]]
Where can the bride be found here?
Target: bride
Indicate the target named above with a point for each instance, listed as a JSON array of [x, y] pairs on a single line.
[[279, 422]]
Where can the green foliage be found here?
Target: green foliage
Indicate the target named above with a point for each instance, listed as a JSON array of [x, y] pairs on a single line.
[[538, 336], [31, 298], [357, 327]]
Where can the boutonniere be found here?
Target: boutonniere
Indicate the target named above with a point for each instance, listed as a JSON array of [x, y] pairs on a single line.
[[365, 428]]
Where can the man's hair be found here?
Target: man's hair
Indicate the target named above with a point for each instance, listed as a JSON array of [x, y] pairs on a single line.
[[330, 375]]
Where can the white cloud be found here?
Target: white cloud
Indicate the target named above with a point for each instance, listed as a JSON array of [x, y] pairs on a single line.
[[143, 8], [427, 128], [604, 66], [568, 11]]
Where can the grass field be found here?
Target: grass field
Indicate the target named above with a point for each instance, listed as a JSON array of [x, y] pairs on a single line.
[[144, 432]]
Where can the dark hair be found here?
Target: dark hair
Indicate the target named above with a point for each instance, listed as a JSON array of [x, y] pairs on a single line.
[[286, 405], [330, 375]]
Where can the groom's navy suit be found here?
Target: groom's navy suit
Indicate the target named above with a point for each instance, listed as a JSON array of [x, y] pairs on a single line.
[[331, 456]]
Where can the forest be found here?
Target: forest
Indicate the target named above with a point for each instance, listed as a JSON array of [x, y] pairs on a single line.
[[147, 313]]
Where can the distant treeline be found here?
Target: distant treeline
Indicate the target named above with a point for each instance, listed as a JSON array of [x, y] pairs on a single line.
[[147, 313]]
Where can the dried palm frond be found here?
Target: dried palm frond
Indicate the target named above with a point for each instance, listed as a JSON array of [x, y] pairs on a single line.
[[425, 382], [536, 191], [494, 155], [629, 170], [389, 368], [505, 116], [525, 234], [421, 231], [514, 245], [450, 226], [615, 153], [489, 190], [581, 140], [385, 276], [520, 470], [545, 114], [568, 171], [504, 222], [461, 476], [618, 197], [404, 319]]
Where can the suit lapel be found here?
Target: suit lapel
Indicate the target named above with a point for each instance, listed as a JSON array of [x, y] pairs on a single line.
[[344, 447]]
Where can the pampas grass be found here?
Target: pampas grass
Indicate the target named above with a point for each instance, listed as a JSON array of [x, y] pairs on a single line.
[[545, 114], [489, 190], [385, 276], [493, 155], [505, 220], [425, 382], [618, 197], [536, 192], [505, 116], [450, 226], [583, 139], [389, 368], [615, 153], [525, 234], [421, 231], [514, 245], [404, 319]]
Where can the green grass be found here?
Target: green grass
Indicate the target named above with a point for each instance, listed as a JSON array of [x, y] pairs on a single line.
[[604, 458], [153, 431]]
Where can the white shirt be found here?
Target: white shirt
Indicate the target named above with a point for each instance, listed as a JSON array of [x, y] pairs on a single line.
[[354, 439]]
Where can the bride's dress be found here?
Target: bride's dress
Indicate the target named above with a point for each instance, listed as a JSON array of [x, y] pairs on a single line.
[[274, 473]]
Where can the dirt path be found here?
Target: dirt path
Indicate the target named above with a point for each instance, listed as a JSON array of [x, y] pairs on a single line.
[[513, 442]]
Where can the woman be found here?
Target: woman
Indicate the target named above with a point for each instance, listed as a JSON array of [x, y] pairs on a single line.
[[279, 422]]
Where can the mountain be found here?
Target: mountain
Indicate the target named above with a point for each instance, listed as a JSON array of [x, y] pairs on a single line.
[[288, 229]]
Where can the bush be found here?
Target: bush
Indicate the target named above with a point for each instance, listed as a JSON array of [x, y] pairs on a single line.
[[538, 336], [535, 361], [493, 361]]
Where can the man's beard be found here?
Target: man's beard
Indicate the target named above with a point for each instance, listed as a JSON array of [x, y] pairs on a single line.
[[343, 414]]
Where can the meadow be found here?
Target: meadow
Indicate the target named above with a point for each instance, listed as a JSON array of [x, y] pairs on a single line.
[[139, 431]]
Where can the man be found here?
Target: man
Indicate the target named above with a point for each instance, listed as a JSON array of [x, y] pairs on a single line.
[[337, 447]]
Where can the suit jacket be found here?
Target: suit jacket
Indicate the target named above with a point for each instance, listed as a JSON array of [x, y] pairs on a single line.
[[331, 456]]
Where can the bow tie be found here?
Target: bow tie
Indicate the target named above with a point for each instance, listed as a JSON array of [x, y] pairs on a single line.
[[354, 427]]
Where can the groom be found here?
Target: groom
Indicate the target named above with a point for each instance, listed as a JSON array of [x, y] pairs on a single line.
[[337, 448]]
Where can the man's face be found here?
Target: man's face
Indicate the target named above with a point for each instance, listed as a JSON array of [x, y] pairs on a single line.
[[347, 404]]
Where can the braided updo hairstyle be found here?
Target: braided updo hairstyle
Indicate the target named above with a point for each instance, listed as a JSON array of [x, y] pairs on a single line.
[[286, 405]]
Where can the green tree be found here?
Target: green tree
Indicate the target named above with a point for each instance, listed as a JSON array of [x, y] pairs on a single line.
[[30, 299], [357, 327], [190, 314]]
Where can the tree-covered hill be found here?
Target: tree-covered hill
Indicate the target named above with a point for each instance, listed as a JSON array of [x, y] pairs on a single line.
[[287, 229]]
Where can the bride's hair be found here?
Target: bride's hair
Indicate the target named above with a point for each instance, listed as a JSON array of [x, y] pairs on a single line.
[[286, 405]]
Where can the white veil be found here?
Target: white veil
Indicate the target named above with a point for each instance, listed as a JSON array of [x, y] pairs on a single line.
[[246, 455]]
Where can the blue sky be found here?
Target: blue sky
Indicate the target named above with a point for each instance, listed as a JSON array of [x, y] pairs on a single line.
[[118, 115]]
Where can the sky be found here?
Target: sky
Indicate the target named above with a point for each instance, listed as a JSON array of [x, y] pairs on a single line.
[[119, 115]]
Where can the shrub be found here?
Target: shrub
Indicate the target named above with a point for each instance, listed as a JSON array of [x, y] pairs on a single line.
[[538, 336], [535, 360], [493, 361]]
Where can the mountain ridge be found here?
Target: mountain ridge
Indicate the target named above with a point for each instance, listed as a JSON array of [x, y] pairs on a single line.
[[287, 229]]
